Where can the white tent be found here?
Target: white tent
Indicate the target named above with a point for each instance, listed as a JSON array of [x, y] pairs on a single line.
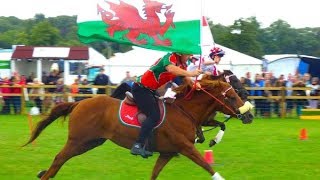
[[239, 63], [139, 60], [291, 64]]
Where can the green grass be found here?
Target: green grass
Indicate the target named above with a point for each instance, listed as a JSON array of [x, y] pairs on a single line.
[[266, 149]]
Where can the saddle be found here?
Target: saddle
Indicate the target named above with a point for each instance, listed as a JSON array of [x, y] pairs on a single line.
[[129, 100]]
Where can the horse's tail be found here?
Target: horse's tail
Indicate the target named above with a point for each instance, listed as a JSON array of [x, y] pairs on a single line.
[[59, 110]]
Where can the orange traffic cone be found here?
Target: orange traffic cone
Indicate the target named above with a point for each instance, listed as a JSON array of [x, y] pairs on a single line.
[[303, 134], [208, 156]]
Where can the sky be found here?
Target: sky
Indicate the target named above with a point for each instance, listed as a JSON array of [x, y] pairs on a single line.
[[302, 13]]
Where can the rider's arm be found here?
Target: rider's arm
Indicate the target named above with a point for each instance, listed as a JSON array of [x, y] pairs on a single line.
[[181, 72]]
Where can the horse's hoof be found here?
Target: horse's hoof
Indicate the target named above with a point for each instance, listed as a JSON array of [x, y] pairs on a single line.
[[200, 140], [41, 173], [212, 143]]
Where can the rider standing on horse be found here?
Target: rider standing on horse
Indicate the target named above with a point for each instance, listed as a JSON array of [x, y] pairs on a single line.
[[144, 92]]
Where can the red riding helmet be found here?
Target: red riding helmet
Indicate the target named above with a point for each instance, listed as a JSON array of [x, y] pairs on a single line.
[[216, 52]]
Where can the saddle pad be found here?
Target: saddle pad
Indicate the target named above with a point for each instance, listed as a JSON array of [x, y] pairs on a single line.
[[128, 114]]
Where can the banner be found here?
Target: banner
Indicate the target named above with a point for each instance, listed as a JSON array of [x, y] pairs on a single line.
[[166, 25], [4, 64]]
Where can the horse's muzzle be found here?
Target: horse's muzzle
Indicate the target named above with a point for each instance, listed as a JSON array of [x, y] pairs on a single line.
[[247, 118]]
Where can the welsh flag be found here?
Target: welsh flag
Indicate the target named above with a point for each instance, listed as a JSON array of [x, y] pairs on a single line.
[[166, 25]]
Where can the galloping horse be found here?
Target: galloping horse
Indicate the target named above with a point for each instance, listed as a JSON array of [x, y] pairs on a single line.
[[93, 121], [229, 77], [226, 76]]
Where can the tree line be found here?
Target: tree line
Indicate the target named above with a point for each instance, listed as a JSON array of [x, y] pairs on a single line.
[[246, 35]]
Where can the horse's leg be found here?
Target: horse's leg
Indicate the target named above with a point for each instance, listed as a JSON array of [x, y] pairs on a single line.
[[71, 149], [162, 160], [200, 137], [192, 153], [219, 136]]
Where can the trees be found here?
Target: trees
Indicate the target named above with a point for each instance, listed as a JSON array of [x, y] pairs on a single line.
[[245, 35], [44, 34]]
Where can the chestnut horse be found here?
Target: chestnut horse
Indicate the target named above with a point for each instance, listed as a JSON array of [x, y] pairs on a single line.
[[229, 77], [93, 121], [226, 76]]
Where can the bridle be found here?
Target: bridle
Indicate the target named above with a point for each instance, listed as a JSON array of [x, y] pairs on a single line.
[[238, 115], [192, 119]]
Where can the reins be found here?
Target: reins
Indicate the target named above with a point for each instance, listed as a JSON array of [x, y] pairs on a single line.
[[219, 100], [190, 117], [226, 120]]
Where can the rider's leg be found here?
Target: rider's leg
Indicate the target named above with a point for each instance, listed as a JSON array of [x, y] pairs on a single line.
[[147, 103]]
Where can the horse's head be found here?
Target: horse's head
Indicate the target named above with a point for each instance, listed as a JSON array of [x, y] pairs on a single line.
[[226, 99], [236, 84], [233, 80]]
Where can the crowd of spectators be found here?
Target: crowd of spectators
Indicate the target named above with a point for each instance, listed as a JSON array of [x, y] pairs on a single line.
[[263, 107], [35, 94], [267, 107]]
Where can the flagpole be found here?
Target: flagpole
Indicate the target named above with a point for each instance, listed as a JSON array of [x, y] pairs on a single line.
[[201, 23]]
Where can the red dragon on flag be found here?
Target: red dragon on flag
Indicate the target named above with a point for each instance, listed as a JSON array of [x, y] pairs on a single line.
[[126, 17]]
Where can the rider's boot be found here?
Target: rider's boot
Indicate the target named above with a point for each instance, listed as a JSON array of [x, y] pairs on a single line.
[[138, 149]]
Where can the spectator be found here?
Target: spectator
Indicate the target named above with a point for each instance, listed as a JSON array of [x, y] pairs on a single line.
[[259, 82], [299, 102], [101, 79], [16, 90], [289, 84], [6, 90], [44, 76], [37, 91], [84, 90], [128, 79], [306, 79], [74, 89], [267, 102], [49, 80], [59, 90], [276, 102], [248, 82], [30, 78], [52, 80], [315, 91]]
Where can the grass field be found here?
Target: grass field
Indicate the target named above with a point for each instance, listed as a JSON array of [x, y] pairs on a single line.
[[266, 149]]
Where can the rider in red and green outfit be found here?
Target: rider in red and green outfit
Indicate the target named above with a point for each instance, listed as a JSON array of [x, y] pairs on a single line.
[[144, 92]]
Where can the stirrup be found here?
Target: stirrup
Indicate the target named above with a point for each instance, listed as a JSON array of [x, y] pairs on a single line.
[[129, 95], [129, 98]]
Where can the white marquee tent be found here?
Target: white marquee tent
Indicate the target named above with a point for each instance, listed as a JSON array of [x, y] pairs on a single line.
[[139, 60]]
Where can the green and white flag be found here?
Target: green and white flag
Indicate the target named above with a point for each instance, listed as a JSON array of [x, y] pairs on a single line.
[[166, 25]]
